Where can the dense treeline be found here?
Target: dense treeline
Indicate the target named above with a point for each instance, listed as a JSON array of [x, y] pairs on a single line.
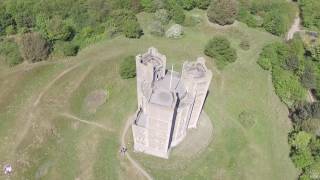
[[64, 26], [68, 25], [286, 63], [295, 68], [294, 71]]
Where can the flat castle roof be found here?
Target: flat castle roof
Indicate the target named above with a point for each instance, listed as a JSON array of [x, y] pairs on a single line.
[[164, 89]]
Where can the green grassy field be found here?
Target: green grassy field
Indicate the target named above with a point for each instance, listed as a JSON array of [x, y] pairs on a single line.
[[41, 143]]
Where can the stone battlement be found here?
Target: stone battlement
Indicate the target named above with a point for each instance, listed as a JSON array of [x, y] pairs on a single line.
[[169, 102]]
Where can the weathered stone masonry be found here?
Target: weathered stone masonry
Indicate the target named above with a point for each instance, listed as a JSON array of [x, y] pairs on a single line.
[[168, 103]]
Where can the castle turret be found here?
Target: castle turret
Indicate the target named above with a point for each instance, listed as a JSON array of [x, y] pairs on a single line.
[[150, 66], [196, 78]]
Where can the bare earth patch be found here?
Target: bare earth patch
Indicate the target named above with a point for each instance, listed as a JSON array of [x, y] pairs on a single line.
[[196, 140], [95, 99]]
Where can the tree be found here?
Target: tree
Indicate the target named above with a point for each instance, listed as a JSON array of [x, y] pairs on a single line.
[[98, 10], [162, 15], [10, 51], [66, 48], [301, 140], [6, 20], [274, 23], [187, 4], [177, 14], [34, 47], [313, 171], [148, 5], [220, 49], [302, 158], [291, 63], [22, 12], [54, 29], [315, 52], [202, 4], [287, 86], [125, 21], [132, 29], [128, 68], [222, 12]]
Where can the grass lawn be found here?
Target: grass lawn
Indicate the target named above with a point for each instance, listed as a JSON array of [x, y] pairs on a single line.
[[41, 143]]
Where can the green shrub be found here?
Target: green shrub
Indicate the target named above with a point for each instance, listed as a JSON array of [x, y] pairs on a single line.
[[89, 35], [132, 29], [220, 49], [287, 86], [273, 54], [202, 4], [291, 63], [300, 140], [162, 15], [274, 23], [54, 28], [66, 48], [10, 51], [128, 68], [125, 21], [315, 52], [305, 111], [308, 77], [222, 12], [187, 4], [245, 16], [265, 63], [10, 30], [274, 16], [148, 5], [177, 14], [310, 13], [313, 171], [302, 158]]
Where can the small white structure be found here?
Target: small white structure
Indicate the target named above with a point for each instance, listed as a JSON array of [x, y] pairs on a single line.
[[7, 169], [168, 103]]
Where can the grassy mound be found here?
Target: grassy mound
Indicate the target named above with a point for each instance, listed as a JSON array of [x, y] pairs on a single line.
[[39, 142]]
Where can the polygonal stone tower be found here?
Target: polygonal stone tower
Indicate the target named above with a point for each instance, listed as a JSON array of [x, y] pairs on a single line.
[[168, 104], [196, 78]]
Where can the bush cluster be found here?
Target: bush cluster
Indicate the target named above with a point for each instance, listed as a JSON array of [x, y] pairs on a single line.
[[222, 12], [9, 49], [128, 68], [220, 49], [66, 48], [293, 72], [274, 16], [310, 13]]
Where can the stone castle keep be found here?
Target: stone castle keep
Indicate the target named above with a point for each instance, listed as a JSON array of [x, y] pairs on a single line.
[[168, 102]]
